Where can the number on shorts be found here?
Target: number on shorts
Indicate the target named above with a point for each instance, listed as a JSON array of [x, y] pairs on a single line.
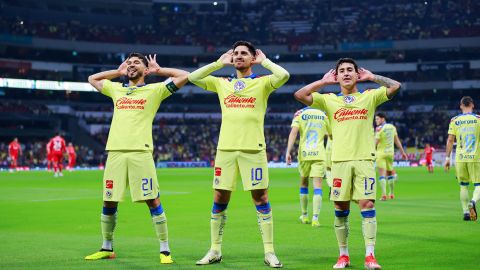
[[369, 182], [256, 174], [145, 183]]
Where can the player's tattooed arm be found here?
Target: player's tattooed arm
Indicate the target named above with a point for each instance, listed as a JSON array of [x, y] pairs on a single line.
[[392, 86]]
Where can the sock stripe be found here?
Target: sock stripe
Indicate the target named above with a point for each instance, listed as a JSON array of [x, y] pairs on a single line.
[[157, 211], [370, 213], [318, 191], [109, 211], [476, 185], [218, 207], [381, 178], [391, 177], [464, 183], [342, 213], [264, 208], [304, 190]]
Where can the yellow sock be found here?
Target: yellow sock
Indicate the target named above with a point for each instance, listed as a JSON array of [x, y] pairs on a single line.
[[304, 200], [161, 229], [464, 198], [108, 223], [369, 226], [383, 184], [317, 202], [265, 222], [476, 194], [217, 223], [341, 227]]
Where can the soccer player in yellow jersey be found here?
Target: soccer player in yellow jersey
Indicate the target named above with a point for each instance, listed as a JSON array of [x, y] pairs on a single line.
[[130, 145], [313, 126], [465, 128], [241, 144], [385, 136], [351, 114]]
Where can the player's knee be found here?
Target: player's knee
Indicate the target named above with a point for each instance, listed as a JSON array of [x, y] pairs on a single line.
[[110, 204], [260, 196], [366, 204]]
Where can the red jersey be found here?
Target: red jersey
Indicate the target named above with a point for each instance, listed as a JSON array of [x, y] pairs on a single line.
[[57, 145], [429, 152], [71, 150], [14, 148]]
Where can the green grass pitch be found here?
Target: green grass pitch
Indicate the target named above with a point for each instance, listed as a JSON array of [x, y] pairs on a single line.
[[52, 223]]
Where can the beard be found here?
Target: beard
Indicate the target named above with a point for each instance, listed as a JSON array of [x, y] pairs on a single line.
[[136, 76]]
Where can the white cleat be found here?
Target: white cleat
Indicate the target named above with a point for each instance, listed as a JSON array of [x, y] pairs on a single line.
[[61, 174], [212, 256], [55, 175], [272, 261]]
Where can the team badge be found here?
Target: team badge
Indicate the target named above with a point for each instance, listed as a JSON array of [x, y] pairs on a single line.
[[337, 182], [109, 184], [238, 86], [348, 99], [218, 171], [108, 194], [336, 193], [217, 181]]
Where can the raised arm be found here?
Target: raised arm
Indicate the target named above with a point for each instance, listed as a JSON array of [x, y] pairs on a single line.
[[399, 145], [96, 80], [393, 87], [291, 140], [197, 76], [279, 75], [450, 141], [304, 95], [179, 77]]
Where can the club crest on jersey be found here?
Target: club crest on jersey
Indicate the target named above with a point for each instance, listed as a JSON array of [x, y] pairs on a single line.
[[108, 194], [238, 86], [216, 181], [348, 99]]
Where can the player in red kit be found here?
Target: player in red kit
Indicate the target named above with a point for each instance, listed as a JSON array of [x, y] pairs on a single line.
[[14, 150], [72, 156], [57, 149], [429, 157], [49, 156]]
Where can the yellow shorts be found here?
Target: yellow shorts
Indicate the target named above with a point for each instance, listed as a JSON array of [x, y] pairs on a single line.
[[130, 168], [468, 172], [328, 161], [353, 180], [251, 165], [312, 168], [385, 162]]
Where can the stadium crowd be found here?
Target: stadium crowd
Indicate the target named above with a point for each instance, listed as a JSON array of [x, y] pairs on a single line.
[[293, 23]]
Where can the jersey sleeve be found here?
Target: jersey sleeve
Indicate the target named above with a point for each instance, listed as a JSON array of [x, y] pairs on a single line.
[[451, 128], [296, 121], [107, 89], [380, 96], [163, 91], [208, 83], [319, 101], [278, 77]]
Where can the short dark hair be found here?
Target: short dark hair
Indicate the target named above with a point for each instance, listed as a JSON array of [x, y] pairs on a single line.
[[382, 115], [140, 56], [247, 44], [466, 101], [346, 60]]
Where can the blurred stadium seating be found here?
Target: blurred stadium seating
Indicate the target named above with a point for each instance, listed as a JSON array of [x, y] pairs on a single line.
[[432, 47]]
